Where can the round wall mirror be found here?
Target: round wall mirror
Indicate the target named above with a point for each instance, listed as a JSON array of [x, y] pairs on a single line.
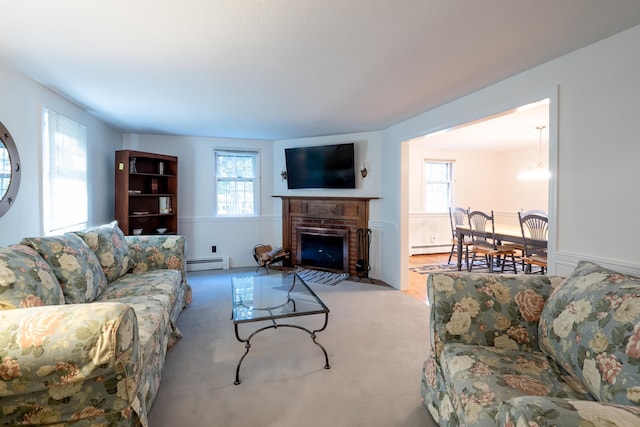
[[9, 170]]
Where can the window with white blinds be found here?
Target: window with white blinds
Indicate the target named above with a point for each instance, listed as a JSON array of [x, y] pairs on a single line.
[[65, 199]]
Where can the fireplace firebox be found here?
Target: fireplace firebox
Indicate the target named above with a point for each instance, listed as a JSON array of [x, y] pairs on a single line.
[[323, 248]]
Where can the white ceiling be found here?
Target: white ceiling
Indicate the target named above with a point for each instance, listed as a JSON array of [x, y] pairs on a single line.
[[510, 130], [279, 69]]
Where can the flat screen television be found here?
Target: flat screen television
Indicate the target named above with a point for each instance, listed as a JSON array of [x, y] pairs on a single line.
[[324, 166]]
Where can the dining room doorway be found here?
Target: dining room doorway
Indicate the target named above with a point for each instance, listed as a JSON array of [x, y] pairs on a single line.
[[487, 157]]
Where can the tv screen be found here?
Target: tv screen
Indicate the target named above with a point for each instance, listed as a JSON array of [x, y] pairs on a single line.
[[325, 166]]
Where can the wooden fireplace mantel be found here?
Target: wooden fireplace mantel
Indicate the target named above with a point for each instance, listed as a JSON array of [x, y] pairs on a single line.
[[344, 213]]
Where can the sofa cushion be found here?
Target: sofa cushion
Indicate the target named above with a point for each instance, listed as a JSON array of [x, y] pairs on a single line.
[[487, 309], [74, 264], [479, 378], [108, 243], [591, 326], [157, 252], [26, 280], [154, 282]]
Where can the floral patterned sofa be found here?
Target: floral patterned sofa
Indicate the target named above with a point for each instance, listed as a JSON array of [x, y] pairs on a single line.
[[534, 351], [85, 322]]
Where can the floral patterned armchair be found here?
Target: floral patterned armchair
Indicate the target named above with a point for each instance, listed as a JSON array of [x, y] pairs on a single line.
[[525, 350]]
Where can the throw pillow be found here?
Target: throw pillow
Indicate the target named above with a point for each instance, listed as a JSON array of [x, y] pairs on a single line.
[[590, 325], [110, 246], [26, 280], [74, 264]]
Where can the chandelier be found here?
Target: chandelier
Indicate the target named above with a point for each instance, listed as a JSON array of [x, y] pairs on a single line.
[[536, 172]]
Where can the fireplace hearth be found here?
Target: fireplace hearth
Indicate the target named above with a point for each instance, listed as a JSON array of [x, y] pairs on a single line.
[[336, 219]]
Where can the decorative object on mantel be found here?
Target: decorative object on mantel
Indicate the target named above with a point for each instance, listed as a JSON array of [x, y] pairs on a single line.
[[10, 167], [536, 172]]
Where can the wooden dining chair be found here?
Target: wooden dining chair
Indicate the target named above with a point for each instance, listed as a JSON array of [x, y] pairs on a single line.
[[535, 233], [519, 247], [485, 243], [458, 217], [533, 212]]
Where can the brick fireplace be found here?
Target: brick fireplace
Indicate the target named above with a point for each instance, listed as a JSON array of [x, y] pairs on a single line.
[[308, 223]]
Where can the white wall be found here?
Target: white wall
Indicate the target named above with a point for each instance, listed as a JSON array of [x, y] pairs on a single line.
[[21, 107], [234, 237], [593, 154]]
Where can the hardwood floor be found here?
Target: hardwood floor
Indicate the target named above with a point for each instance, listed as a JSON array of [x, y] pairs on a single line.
[[417, 282]]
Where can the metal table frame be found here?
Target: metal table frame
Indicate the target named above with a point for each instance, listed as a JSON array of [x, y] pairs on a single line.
[[272, 315]]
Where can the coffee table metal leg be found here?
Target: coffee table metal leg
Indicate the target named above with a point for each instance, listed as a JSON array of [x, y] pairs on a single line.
[[313, 337], [312, 334]]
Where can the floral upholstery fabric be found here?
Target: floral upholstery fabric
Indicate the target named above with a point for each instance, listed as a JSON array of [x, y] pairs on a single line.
[[110, 246], [493, 310], [157, 252], [486, 309], [591, 326], [161, 253], [26, 280], [74, 264], [533, 351], [155, 282], [156, 336], [482, 377], [534, 411], [93, 376]]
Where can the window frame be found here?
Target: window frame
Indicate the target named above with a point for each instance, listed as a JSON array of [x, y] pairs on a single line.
[[427, 182], [255, 180], [76, 138]]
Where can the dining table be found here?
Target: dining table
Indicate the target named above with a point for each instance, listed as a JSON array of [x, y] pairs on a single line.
[[503, 234]]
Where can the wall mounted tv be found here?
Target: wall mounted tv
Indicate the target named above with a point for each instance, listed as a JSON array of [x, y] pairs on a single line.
[[324, 166]]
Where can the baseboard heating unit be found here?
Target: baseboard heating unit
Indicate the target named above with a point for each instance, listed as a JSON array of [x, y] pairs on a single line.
[[214, 263]]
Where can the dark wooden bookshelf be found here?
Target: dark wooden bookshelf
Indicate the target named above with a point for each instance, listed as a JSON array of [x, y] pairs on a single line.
[[146, 192]]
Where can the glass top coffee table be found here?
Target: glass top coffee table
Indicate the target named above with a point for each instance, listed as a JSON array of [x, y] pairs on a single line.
[[272, 298]]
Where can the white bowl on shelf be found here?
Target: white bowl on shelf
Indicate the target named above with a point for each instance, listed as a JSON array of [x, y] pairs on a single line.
[[137, 231], [161, 230]]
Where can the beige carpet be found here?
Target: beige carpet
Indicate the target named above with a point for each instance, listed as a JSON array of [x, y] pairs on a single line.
[[376, 340]]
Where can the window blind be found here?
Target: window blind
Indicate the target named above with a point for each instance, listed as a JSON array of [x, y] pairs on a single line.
[[65, 174]]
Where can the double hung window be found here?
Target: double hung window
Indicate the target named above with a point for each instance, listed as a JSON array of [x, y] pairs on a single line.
[[438, 180], [236, 183]]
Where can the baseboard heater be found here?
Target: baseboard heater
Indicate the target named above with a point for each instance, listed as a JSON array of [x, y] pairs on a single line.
[[430, 249], [215, 263]]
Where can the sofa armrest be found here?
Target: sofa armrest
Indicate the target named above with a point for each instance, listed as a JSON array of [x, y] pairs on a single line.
[[73, 355], [500, 310], [158, 252]]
